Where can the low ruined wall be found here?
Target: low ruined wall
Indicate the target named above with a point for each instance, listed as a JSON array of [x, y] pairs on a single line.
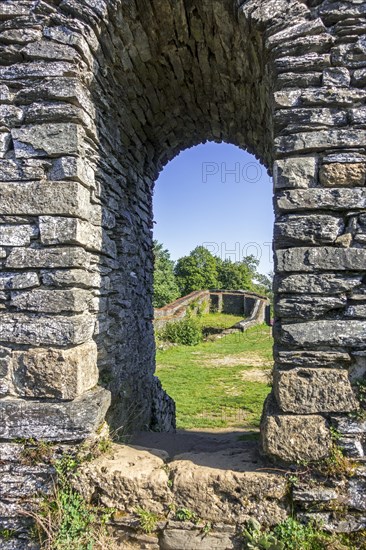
[[236, 302], [178, 310], [214, 495]]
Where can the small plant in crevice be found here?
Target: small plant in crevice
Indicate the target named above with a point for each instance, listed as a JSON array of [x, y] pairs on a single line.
[[336, 464], [207, 528], [184, 514], [147, 520], [36, 452], [64, 520], [255, 538], [292, 535], [7, 534]]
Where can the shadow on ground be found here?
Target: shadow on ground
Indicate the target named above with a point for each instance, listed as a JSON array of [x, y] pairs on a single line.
[[236, 450]]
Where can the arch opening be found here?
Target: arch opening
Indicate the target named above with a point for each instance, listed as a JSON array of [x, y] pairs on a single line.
[[213, 216]]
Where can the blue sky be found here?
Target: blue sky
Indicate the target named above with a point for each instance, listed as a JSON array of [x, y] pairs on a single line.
[[219, 196]]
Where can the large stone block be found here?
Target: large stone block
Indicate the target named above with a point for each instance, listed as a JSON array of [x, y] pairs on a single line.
[[309, 307], [298, 172], [48, 257], [318, 141], [74, 277], [47, 140], [332, 332], [40, 198], [343, 175], [310, 229], [52, 301], [37, 330], [13, 281], [64, 421], [308, 391], [322, 283], [55, 373], [61, 230], [293, 438], [191, 540], [72, 168], [22, 170], [321, 199], [312, 359], [321, 258], [15, 235]]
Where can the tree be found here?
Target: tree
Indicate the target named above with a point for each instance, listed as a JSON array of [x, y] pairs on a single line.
[[264, 284], [198, 271], [165, 285], [234, 275]]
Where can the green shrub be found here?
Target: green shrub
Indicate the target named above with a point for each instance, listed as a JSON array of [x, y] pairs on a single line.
[[187, 332]]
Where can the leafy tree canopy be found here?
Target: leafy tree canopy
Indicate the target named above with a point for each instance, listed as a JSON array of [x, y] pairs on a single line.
[[198, 271], [166, 289]]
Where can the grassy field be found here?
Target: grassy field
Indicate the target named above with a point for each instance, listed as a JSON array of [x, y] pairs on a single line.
[[221, 383]]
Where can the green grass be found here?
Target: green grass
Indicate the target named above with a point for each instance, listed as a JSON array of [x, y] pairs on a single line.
[[207, 381], [219, 320]]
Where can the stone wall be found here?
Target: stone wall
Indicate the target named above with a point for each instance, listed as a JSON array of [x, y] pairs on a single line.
[[95, 97], [178, 309], [247, 304]]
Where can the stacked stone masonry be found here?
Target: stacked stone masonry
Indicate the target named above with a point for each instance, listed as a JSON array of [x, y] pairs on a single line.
[[95, 97]]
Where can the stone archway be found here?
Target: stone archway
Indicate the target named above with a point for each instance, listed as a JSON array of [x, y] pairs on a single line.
[[95, 97]]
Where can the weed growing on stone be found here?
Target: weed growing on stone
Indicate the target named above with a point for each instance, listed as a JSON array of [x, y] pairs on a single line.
[[184, 514], [7, 534], [36, 452], [255, 538], [64, 520], [291, 535], [147, 520]]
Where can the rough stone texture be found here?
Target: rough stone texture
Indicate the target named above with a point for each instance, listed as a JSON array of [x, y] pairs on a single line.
[[343, 175], [295, 173], [328, 332], [309, 391], [128, 478], [294, 438], [54, 421], [55, 373], [191, 540], [95, 97]]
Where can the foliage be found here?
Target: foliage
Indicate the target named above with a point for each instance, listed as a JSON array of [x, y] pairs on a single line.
[[201, 270], [187, 332], [166, 289], [294, 535], [198, 271], [235, 275], [36, 452], [336, 464], [184, 514], [219, 321], [291, 535], [147, 520], [7, 534], [257, 539], [65, 521], [206, 381]]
